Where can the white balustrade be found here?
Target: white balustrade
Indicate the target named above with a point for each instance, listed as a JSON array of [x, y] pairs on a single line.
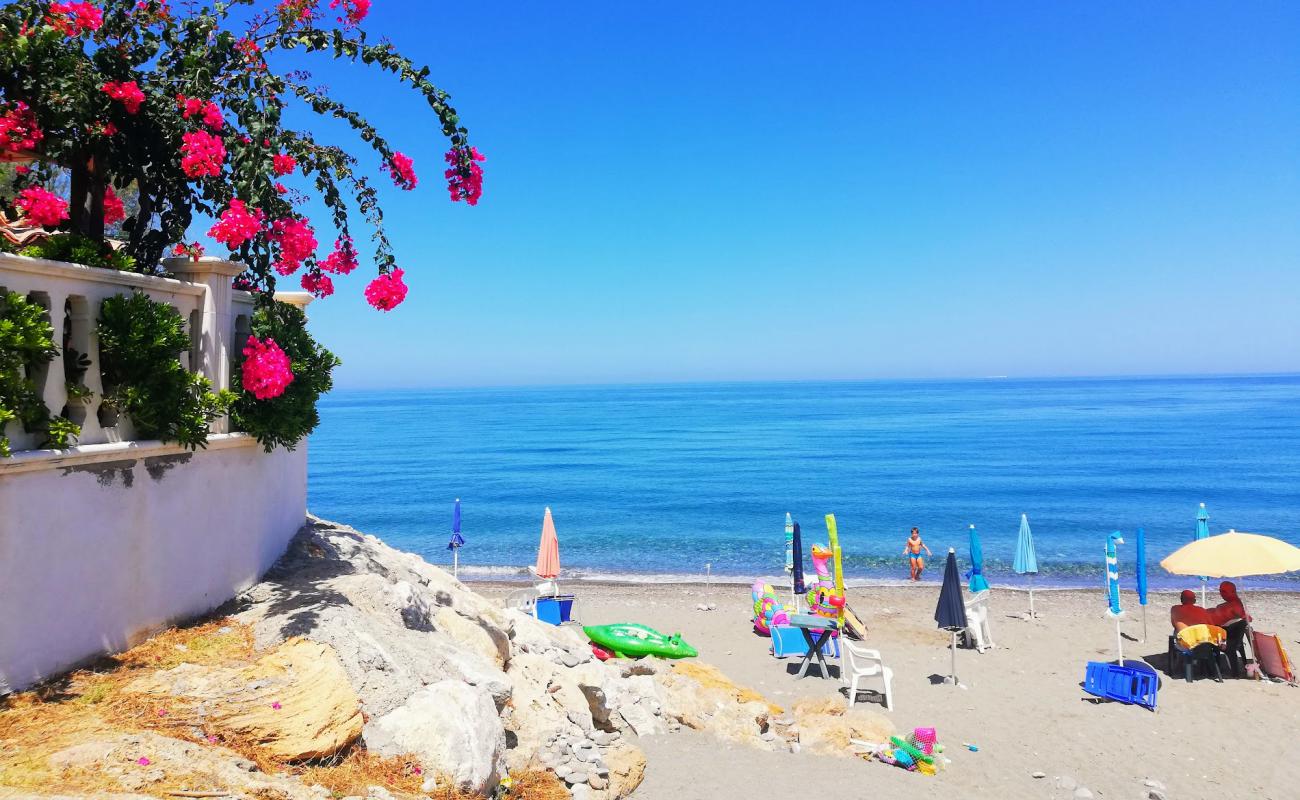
[[217, 317]]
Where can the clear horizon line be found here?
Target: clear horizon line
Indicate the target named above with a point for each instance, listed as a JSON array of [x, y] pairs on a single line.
[[578, 384]]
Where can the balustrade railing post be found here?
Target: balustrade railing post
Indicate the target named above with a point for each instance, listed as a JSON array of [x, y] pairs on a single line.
[[217, 331]]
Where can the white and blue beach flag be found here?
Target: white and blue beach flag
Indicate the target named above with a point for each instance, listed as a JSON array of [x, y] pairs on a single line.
[[789, 543], [1112, 573], [1202, 532]]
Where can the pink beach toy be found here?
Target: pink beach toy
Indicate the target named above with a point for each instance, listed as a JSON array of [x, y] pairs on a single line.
[[924, 739]]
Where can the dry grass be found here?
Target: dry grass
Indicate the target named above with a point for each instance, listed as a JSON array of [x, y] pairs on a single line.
[[91, 704]]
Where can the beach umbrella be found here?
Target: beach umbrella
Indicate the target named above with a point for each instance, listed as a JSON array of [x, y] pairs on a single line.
[[1202, 532], [789, 551], [1112, 587], [548, 551], [950, 614], [977, 581], [457, 541], [1234, 555], [1026, 562], [796, 577], [1141, 568]]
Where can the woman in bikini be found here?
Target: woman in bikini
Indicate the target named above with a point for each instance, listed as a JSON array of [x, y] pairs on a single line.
[[912, 549]]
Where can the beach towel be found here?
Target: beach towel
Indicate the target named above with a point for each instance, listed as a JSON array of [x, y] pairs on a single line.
[[1272, 657]]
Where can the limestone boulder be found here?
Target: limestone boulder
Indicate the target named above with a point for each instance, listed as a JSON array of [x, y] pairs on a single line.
[[701, 696], [546, 701], [452, 728], [626, 765], [295, 701], [826, 727]]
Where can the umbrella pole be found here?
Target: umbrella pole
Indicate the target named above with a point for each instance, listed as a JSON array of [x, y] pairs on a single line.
[[1202, 593], [1119, 642], [455, 562], [1144, 624], [954, 658], [1031, 595]]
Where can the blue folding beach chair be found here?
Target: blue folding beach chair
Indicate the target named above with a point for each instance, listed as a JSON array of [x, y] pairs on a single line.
[[1122, 684]]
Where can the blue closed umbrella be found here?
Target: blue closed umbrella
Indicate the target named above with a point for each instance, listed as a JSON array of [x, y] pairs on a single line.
[[977, 580], [797, 566], [457, 541], [1112, 586], [1202, 532], [950, 613], [1026, 561], [1140, 566]]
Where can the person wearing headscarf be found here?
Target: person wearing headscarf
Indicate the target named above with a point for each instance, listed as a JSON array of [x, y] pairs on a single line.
[[1232, 617], [1187, 613]]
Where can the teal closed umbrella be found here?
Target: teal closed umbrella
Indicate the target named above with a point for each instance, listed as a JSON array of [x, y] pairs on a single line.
[[1202, 532], [1026, 561], [978, 583]]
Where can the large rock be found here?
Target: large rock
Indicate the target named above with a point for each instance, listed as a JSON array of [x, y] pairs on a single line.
[[700, 696], [396, 622], [626, 769], [295, 702], [452, 728], [826, 727], [547, 700]]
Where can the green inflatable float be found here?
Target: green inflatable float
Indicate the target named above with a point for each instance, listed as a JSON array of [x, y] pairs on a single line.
[[631, 640]]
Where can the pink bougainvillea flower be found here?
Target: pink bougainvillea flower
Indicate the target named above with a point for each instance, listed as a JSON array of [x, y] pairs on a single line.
[[41, 206], [211, 739], [212, 116], [74, 19], [114, 209], [109, 129], [353, 11], [296, 10], [266, 373], [125, 92], [237, 224], [276, 704], [318, 284], [162, 712], [143, 761], [194, 250], [18, 129], [283, 164], [280, 188], [297, 241], [344, 258], [202, 154], [464, 176], [402, 172], [387, 291]]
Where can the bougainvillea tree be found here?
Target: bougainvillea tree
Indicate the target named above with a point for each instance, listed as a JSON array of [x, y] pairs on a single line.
[[181, 101], [184, 104]]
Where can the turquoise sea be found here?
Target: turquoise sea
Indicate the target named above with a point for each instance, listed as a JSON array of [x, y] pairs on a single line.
[[652, 481]]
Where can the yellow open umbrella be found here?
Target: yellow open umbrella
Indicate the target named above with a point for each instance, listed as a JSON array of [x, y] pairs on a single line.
[[1234, 555]]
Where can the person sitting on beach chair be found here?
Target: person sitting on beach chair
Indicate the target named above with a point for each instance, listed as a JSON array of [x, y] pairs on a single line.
[[1187, 613], [912, 549], [1232, 617]]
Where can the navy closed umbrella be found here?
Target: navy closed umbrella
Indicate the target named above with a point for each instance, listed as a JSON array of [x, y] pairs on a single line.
[[950, 614], [798, 567]]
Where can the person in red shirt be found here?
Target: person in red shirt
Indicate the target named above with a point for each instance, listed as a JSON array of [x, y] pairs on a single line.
[[1187, 613], [1232, 617]]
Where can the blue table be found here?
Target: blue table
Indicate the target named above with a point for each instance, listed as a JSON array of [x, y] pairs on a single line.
[[825, 628]]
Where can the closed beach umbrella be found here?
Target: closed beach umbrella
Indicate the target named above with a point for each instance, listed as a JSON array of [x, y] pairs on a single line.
[[950, 614], [1141, 569], [1112, 586], [548, 552], [1234, 555], [1026, 561], [796, 538], [789, 550], [457, 541], [1202, 532], [977, 581]]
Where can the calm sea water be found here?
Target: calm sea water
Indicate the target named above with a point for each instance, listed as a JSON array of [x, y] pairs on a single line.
[[662, 480]]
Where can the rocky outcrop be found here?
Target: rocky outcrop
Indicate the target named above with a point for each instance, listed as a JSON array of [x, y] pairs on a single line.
[[472, 690], [294, 702], [451, 728], [825, 726]]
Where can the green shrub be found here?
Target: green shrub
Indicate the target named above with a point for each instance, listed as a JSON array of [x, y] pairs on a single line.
[[27, 343], [286, 419], [140, 342], [77, 249]]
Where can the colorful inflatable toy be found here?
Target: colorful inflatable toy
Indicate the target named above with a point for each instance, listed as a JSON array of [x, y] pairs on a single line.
[[768, 610], [631, 640]]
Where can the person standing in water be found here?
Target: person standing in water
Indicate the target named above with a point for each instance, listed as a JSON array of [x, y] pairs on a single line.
[[912, 549]]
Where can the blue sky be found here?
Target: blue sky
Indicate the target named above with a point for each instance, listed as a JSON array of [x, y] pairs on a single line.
[[728, 191]]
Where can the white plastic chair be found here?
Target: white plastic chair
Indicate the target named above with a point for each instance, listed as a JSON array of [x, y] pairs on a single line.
[[864, 663], [977, 621]]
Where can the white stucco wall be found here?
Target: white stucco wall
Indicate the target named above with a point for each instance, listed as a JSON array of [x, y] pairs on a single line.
[[103, 547]]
